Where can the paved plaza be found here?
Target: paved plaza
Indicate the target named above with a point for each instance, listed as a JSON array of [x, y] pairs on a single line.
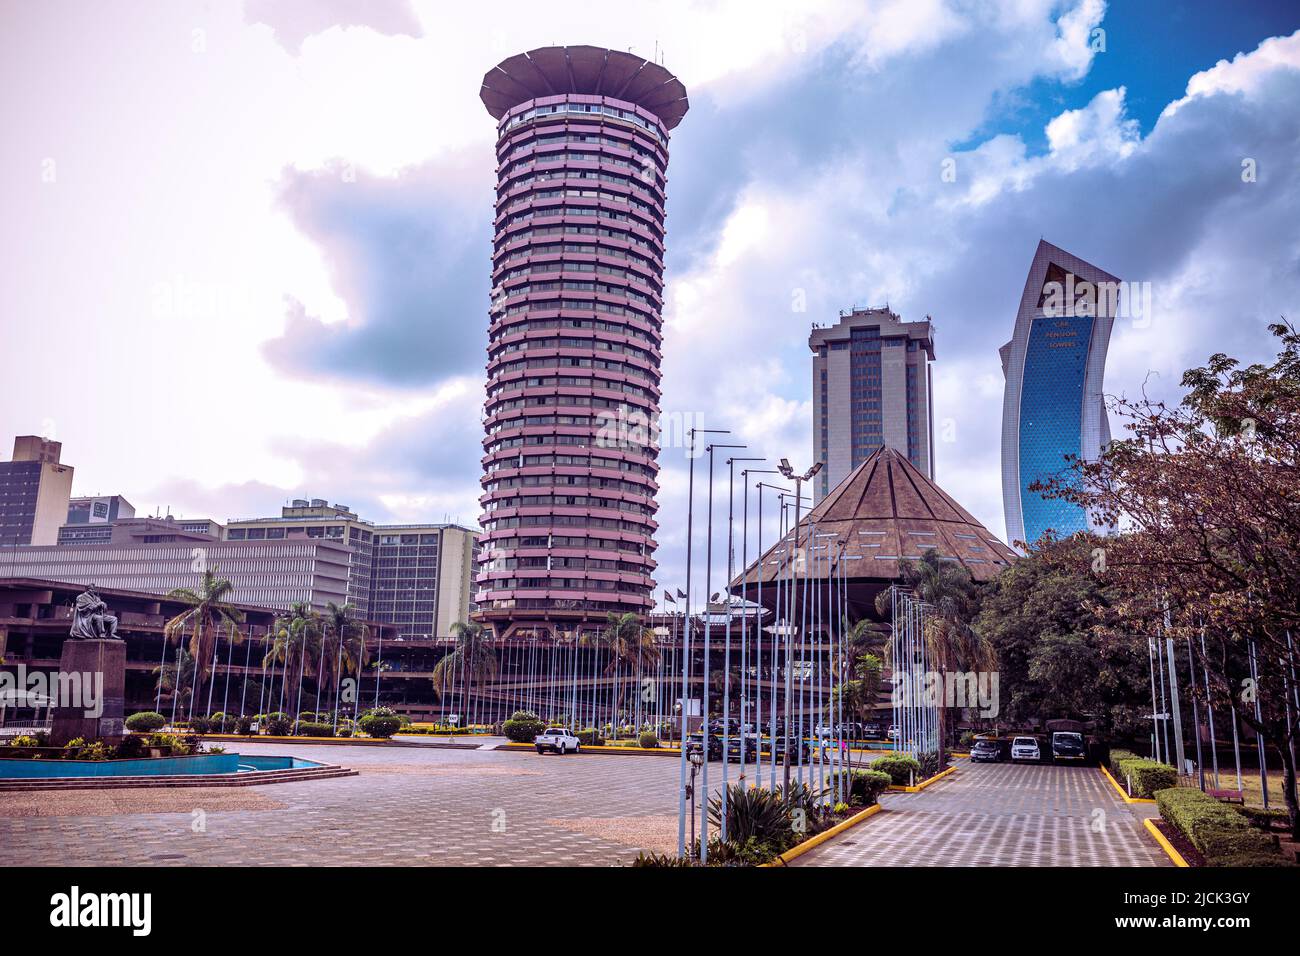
[[433, 806], [1000, 815]]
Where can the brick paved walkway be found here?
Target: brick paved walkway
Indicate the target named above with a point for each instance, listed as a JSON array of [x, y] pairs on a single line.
[[416, 806], [408, 806], [999, 815]]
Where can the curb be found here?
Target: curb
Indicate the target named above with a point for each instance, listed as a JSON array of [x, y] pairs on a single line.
[[589, 748], [1165, 845], [923, 784], [1120, 790], [816, 841]]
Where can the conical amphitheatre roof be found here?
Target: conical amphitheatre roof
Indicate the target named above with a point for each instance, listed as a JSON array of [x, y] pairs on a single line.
[[884, 511]]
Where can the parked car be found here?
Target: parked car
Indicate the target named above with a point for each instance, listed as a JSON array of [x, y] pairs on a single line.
[[892, 732], [795, 745], [695, 742], [557, 740], [986, 750], [873, 730], [1068, 747], [1025, 748]]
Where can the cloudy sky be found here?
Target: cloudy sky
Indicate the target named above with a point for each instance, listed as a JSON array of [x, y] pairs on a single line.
[[244, 248]]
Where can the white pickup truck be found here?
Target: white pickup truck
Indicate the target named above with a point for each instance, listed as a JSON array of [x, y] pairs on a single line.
[[557, 740]]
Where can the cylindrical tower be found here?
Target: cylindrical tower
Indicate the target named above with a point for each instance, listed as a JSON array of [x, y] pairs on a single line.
[[569, 464]]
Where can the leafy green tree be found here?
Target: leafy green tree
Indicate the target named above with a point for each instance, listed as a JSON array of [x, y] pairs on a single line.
[[1206, 494], [1043, 618]]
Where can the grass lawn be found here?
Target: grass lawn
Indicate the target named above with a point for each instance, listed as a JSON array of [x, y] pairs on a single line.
[[1250, 785]]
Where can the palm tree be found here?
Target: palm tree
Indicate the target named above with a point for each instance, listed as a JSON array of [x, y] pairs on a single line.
[[951, 643], [175, 679], [296, 645], [472, 661], [344, 649], [208, 613], [629, 642]]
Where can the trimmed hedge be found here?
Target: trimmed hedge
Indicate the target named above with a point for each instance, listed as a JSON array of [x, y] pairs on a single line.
[[380, 723], [146, 721], [1221, 834], [523, 726], [648, 741], [308, 728], [903, 769], [862, 786], [1146, 776], [589, 737]]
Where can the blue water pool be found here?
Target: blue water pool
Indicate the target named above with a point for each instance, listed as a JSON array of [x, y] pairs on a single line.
[[149, 766]]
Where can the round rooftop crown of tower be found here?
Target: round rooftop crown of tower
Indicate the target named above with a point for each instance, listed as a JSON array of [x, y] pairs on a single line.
[[584, 69], [574, 341]]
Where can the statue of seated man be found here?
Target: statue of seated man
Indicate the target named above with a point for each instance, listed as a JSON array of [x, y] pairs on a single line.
[[90, 618]]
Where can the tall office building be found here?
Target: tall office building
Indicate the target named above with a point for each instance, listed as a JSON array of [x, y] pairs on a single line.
[[316, 518], [145, 558], [34, 492], [871, 388], [1053, 405], [575, 335], [423, 578]]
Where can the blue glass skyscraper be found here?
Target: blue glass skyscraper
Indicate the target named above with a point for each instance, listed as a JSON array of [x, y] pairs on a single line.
[[1053, 405]]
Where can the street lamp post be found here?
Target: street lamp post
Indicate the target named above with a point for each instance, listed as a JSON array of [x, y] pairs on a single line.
[[789, 474], [708, 629], [686, 651], [726, 654]]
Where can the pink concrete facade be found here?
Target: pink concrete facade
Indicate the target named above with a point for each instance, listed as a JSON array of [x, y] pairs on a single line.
[[573, 370]]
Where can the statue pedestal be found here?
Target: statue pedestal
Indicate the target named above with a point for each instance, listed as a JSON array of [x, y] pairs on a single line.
[[98, 668]]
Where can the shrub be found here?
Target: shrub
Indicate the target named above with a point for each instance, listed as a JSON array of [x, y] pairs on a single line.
[[1252, 860], [590, 737], [750, 852], [862, 787], [380, 723], [130, 747], [200, 725], [78, 749], [1145, 776], [648, 741], [902, 768], [1215, 829], [810, 804], [523, 726], [276, 724], [146, 721], [930, 764], [244, 725], [25, 740], [753, 813], [661, 860], [313, 729], [1116, 758], [174, 744]]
